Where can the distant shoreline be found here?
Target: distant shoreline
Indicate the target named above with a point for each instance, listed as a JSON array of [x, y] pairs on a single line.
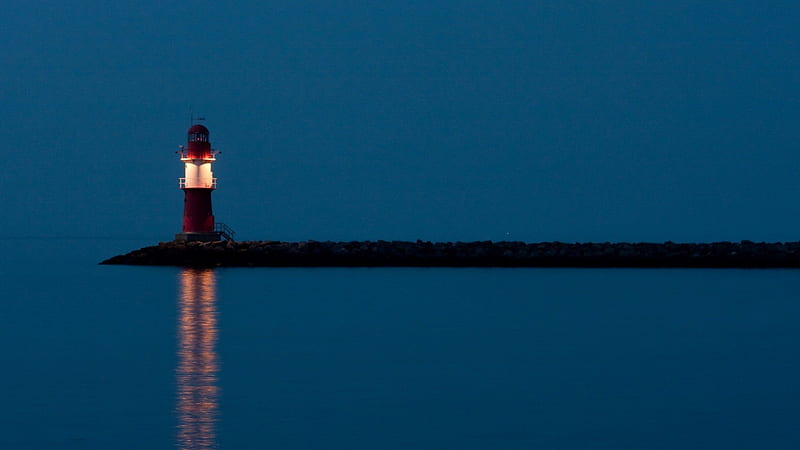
[[744, 254]]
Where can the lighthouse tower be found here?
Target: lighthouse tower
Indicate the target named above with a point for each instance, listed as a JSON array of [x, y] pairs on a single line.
[[197, 184]]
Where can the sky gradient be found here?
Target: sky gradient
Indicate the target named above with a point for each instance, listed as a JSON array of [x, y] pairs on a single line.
[[448, 120]]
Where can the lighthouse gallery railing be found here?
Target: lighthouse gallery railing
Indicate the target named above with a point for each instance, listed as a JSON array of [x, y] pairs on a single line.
[[200, 183]]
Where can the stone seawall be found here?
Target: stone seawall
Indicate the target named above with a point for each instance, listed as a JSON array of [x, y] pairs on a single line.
[[744, 254]]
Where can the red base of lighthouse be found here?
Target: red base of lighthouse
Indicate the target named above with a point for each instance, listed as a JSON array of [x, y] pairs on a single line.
[[198, 219], [197, 214]]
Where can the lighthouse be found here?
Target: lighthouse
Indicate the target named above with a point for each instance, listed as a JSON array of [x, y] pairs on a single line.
[[197, 184]]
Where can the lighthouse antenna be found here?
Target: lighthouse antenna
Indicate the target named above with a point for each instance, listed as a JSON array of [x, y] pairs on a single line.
[[193, 119]]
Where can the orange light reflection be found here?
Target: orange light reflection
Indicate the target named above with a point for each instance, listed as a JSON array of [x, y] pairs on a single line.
[[198, 393]]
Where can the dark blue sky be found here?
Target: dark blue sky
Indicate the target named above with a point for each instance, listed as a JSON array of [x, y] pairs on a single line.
[[448, 120]]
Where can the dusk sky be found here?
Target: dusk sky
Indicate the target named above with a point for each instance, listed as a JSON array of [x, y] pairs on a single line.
[[437, 120]]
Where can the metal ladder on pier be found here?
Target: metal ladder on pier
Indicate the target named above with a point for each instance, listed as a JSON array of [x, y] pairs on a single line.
[[224, 231]]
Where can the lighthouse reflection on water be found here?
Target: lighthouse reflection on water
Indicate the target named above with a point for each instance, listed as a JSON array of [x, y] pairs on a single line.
[[197, 386]]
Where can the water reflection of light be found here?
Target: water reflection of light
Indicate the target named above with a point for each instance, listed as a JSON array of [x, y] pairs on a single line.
[[198, 393]]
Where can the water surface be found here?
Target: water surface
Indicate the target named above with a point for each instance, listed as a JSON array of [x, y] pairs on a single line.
[[161, 357]]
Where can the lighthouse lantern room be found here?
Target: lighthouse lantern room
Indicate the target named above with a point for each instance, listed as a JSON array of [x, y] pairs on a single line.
[[197, 184]]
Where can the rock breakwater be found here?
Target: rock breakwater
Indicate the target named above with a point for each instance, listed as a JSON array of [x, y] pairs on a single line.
[[744, 254]]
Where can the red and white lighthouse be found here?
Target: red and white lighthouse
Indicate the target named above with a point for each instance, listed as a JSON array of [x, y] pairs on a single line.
[[197, 184]]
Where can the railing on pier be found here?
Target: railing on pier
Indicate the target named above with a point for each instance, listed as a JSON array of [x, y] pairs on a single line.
[[199, 183], [226, 231]]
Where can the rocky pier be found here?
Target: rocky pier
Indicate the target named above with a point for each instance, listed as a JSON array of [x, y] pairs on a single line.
[[744, 254]]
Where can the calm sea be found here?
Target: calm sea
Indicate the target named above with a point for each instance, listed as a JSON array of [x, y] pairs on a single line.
[[102, 357]]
